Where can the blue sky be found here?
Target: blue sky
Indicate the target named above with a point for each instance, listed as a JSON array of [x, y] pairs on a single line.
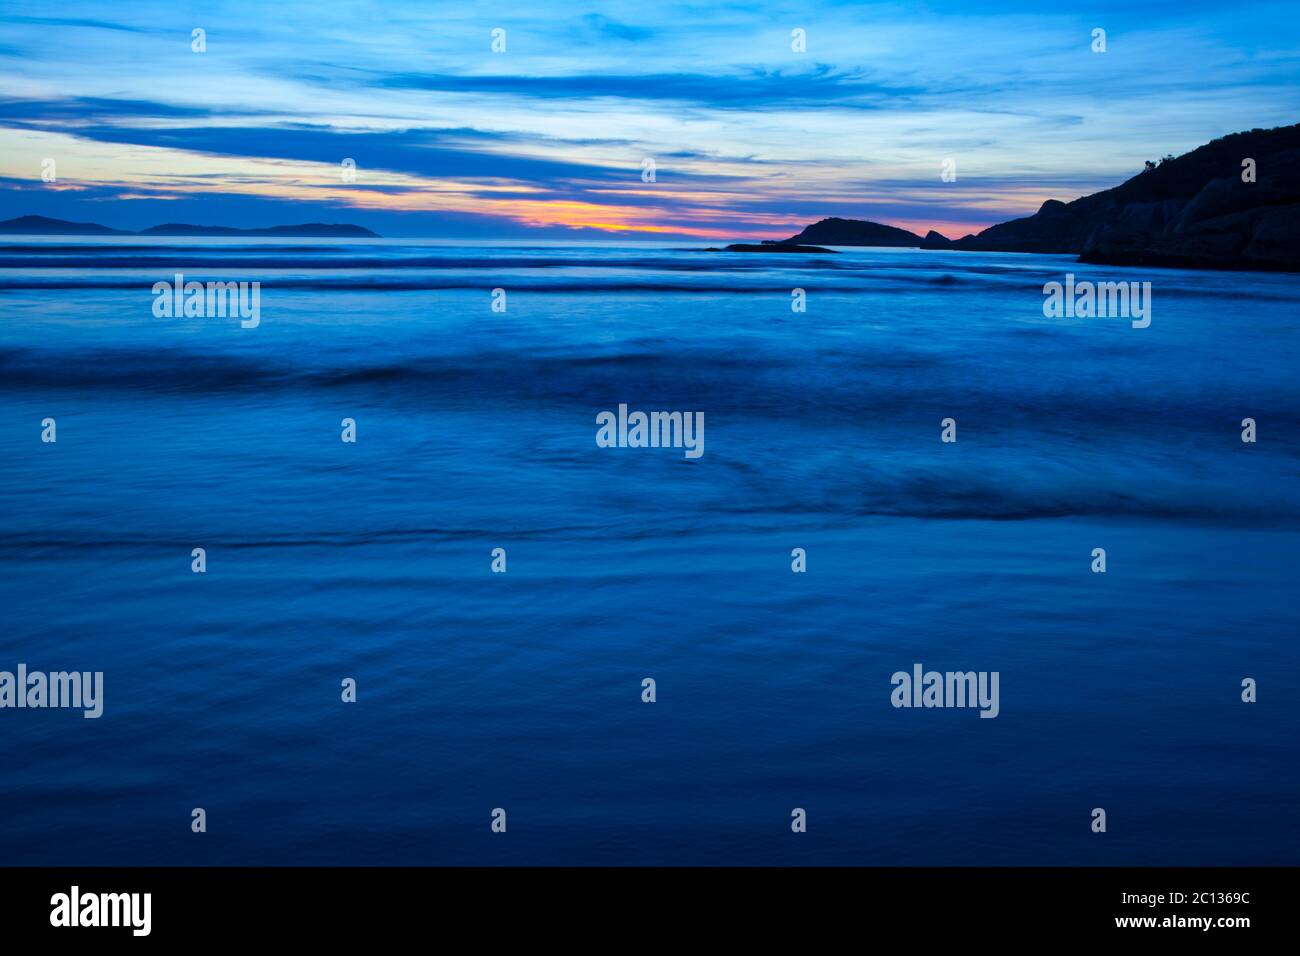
[[549, 138]]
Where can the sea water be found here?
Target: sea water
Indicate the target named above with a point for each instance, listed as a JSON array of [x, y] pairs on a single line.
[[476, 430]]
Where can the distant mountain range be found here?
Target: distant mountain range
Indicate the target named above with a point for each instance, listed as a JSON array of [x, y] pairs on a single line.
[[44, 226], [1194, 211]]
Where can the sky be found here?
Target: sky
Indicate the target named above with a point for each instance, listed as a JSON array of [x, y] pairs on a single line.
[[108, 114]]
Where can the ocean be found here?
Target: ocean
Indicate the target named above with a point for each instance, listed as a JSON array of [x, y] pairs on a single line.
[[476, 430]]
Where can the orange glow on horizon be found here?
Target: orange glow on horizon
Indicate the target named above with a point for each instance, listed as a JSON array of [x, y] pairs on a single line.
[[678, 209]]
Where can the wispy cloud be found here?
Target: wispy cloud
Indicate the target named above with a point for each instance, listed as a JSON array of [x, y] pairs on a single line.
[[753, 89]]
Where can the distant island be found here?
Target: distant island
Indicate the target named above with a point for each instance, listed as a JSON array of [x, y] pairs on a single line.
[[769, 246], [1207, 209], [44, 226], [855, 232]]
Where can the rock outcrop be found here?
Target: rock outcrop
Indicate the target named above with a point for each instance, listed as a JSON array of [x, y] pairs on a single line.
[[855, 232], [1199, 211]]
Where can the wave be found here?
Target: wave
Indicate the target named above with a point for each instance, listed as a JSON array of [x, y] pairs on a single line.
[[513, 283], [94, 251], [799, 448], [987, 496], [881, 380], [385, 263], [500, 372], [586, 276]]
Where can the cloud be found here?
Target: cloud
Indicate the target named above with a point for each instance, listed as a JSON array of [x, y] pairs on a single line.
[[82, 109], [757, 88], [453, 153], [606, 29], [75, 22]]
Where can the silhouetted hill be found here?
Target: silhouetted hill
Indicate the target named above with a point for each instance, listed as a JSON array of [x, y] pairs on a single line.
[[1193, 211], [44, 226], [854, 232]]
